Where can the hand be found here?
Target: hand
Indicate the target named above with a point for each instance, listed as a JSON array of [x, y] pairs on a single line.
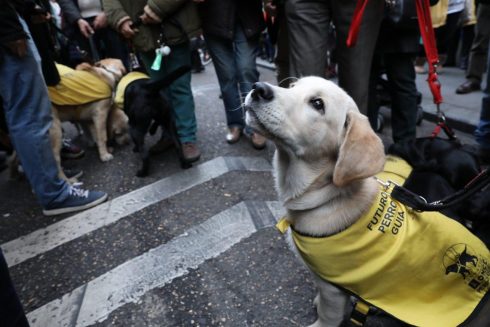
[[18, 47], [270, 9], [100, 21], [126, 30], [85, 27], [146, 19]]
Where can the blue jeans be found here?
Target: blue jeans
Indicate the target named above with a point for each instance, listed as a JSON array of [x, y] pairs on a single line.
[[482, 132], [28, 113], [234, 61], [179, 92]]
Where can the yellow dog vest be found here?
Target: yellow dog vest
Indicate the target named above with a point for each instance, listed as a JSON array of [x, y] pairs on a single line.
[[123, 83], [78, 87], [421, 267]]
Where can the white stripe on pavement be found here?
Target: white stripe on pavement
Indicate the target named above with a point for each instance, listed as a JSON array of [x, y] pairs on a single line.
[[93, 302], [46, 239]]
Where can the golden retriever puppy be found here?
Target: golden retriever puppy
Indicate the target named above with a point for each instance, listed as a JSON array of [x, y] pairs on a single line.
[[85, 96], [422, 268]]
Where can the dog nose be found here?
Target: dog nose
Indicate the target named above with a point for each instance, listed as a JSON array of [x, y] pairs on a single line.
[[262, 90]]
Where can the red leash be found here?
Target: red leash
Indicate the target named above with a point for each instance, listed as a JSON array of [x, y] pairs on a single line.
[[430, 47]]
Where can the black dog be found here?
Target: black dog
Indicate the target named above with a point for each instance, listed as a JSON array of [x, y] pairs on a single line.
[[441, 168], [147, 109]]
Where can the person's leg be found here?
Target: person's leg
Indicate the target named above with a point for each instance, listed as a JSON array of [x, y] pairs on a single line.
[[373, 104], [282, 53], [11, 309], [245, 57], [482, 132], [479, 49], [248, 75], [401, 75], [28, 115], [179, 92], [355, 63], [223, 54], [307, 23]]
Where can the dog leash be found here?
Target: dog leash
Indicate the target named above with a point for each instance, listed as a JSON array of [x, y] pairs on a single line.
[[419, 203], [430, 47]]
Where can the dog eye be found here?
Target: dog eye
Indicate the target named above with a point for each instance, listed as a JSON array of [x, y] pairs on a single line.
[[318, 104]]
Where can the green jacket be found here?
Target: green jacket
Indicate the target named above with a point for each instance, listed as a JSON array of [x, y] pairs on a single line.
[[180, 20]]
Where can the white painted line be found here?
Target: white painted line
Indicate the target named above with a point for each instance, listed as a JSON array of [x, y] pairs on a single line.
[[66, 230], [93, 302]]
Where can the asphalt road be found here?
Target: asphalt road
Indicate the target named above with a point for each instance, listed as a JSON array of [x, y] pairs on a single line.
[[192, 247]]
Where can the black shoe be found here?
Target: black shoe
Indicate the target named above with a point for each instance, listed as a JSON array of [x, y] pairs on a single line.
[[72, 173], [467, 87], [70, 150]]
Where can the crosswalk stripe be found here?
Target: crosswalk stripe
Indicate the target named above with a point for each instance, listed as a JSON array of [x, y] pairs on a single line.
[[46, 239], [93, 302]]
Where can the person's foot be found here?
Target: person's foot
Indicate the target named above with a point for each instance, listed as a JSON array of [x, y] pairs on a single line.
[[161, 146], [467, 87], [78, 199], [70, 150], [233, 135], [258, 141], [191, 152]]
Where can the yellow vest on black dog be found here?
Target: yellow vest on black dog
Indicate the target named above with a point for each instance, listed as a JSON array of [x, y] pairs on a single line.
[[421, 267], [123, 84]]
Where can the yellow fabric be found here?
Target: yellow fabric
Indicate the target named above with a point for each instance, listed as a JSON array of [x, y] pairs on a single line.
[[438, 13], [421, 267], [123, 83], [78, 87]]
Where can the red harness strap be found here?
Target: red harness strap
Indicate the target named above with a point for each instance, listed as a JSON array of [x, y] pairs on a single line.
[[429, 40], [356, 23]]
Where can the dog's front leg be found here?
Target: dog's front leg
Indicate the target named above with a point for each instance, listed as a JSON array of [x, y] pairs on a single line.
[[56, 137], [331, 304], [100, 124], [138, 137]]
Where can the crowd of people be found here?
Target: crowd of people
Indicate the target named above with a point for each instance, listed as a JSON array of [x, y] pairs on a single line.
[[70, 32], [36, 33]]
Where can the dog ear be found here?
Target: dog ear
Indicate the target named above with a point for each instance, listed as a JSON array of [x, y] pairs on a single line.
[[361, 154]]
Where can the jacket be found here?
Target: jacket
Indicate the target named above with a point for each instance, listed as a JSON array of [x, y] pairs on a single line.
[[421, 267], [180, 20], [11, 30], [10, 27], [219, 17]]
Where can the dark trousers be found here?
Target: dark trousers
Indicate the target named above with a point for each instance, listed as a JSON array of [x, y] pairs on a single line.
[[11, 311], [482, 132], [403, 91], [479, 48], [308, 24]]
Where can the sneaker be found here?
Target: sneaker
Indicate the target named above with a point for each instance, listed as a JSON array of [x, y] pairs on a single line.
[[78, 199], [70, 150], [258, 141], [191, 152]]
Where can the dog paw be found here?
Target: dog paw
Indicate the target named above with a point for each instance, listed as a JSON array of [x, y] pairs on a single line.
[[106, 157]]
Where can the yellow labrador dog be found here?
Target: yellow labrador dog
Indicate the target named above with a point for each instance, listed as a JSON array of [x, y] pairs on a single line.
[[324, 166], [85, 96]]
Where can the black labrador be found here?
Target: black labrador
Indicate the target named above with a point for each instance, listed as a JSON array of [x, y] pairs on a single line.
[[147, 109], [441, 168]]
